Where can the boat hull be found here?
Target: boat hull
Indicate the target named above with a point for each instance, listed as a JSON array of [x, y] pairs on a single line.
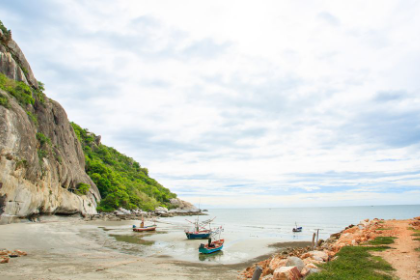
[[144, 229], [299, 229], [203, 235], [205, 249]]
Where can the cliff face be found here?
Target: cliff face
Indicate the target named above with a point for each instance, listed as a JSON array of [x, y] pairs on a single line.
[[41, 160]]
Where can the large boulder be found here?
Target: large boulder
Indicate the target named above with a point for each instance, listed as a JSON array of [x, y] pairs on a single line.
[[287, 273], [161, 210], [309, 269], [277, 262], [316, 255], [295, 261], [182, 206]]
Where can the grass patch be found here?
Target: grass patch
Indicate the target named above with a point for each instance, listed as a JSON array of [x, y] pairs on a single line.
[[413, 229], [355, 262], [417, 249], [382, 240], [416, 234], [384, 228]]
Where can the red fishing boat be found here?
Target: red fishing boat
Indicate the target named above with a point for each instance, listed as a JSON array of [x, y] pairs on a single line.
[[143, 227], [148, 228]]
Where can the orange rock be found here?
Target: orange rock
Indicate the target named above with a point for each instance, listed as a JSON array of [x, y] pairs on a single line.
[[4, 259], [277, 262], [351, 230], [20, 253], [287, 273]]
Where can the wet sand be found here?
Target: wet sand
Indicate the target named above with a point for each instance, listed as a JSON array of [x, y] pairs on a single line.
[[69, 248]]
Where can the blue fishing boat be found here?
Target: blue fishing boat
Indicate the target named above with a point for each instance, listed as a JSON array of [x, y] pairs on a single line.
[[297, 229], [198, 234], [211, 247], [199, 231]]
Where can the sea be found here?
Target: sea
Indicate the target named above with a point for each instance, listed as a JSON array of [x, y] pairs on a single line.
[[248, 233], [279, 222]]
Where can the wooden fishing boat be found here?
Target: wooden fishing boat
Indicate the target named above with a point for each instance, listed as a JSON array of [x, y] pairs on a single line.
[[211, 247], [148, 228], [143, 227], [199, 231], [204, 234]]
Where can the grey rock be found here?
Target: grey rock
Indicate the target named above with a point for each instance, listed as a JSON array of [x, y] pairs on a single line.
[[295, 261], [161, 210]]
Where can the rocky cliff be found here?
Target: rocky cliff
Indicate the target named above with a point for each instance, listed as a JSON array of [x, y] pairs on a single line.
[[42, 165]]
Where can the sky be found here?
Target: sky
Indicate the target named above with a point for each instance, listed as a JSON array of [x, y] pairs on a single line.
[[234, 104]]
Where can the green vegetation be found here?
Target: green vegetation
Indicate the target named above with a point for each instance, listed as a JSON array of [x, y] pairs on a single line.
[[4, 101], [82, 189], [121, 181], [21, 91], [39, 93], [23, 163], [43, 139], [45, 143], [7, 33], [355, 262], [382, 240], [384, 228], [32, 117]]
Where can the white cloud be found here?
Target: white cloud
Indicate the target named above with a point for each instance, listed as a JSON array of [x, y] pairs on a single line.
[[214, 94]]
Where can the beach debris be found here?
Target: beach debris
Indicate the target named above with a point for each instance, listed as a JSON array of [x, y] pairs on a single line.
[[257, 273], [5, 255]]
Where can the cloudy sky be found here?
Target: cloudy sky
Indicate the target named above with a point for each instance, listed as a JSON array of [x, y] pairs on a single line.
[[241, 103]]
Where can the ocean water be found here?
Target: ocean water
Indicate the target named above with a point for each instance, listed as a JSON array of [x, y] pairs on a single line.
[[278, 222], [248, 233]]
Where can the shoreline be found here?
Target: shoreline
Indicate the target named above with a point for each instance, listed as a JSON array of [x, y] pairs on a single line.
[[71, 248]]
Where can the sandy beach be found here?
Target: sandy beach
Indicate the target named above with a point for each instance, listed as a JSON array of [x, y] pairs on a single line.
[[70, 248]]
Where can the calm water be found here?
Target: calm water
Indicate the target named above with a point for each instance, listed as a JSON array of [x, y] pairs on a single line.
[[278, 222], [247, 232]]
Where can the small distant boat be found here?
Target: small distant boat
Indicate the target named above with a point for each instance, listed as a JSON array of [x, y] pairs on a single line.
[[199, 232], [143, 227], [297, 229], [211, 247]]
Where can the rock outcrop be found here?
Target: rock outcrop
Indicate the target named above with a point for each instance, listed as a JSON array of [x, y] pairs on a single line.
[[182, 207], [41, 159]]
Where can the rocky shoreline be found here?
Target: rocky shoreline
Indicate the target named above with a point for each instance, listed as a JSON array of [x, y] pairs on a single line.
[[299, 263]]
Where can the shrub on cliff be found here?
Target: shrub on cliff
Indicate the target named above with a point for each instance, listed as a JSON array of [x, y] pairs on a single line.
[[121, 181], [82, 189], [21, 91], [4, 101], [7, 33]]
